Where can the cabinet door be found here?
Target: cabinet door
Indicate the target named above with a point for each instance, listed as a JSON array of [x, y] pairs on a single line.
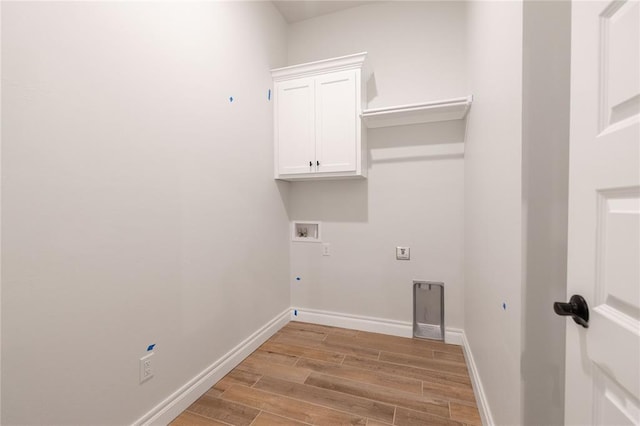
[[295, 126], [336, 120]]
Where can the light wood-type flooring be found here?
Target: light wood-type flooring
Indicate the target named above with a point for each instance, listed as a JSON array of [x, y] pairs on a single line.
[[312, 374]]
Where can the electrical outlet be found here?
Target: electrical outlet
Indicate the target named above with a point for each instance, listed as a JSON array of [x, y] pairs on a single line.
[[146, 367], [326, 249], [403, 253]]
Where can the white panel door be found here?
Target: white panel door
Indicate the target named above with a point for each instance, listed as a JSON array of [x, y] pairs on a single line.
[[336, 119], [603, 360], [295, 130]]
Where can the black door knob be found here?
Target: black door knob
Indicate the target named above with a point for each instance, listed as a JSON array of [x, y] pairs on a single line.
[[577, 309], [310, 164]]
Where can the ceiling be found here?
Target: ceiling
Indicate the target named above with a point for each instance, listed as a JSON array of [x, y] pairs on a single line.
[[294, 11]]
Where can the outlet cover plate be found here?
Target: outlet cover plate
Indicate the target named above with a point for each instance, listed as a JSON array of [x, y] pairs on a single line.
[[146, 367], [403, 253]]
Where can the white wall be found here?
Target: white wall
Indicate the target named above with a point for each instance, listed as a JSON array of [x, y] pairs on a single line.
[[138, 205], [416, 49], [413, 195], [546, 73], [493, 204], [0, 213]]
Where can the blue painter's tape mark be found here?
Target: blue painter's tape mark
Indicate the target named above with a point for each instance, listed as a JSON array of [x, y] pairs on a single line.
[[269, 94], [150, 347], [230, 98], [295, 312], [298, 278], [504, 306]]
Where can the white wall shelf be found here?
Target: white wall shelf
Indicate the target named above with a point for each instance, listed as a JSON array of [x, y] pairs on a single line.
[[427, 112]]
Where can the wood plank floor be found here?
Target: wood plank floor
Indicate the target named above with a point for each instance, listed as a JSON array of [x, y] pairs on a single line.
[[309, 374]]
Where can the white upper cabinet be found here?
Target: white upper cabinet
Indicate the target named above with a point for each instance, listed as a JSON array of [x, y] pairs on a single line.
[[318, 129], [336, 129], [295, 107]]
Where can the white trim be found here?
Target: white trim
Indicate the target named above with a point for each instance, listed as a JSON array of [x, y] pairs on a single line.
[[478, 390], [371, 324], [177, 402], [454, 336], [353, 322], [308, 69]]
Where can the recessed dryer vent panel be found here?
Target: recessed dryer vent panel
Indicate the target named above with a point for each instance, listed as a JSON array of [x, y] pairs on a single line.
[[428, 310]]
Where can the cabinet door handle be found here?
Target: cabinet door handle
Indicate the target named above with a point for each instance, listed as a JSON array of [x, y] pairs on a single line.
[[310, 164], [318, 163]]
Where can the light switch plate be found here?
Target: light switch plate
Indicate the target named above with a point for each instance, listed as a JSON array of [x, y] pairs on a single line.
[[403, 253]]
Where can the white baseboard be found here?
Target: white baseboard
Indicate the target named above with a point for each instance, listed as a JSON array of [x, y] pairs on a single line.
[[478, 390], [353, 322], [454, 336], [177, 402], [371, 324]]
